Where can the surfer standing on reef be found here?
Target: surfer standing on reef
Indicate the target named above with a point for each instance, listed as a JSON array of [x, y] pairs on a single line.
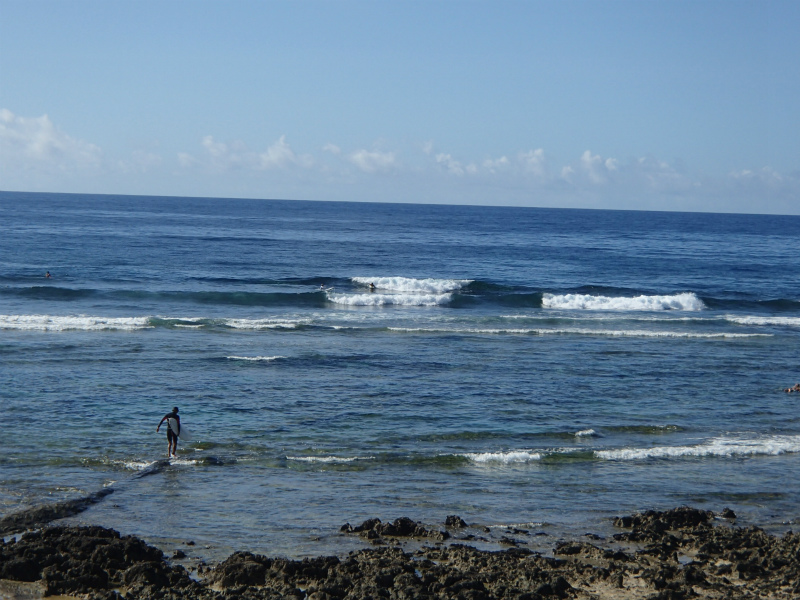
[[173, 431]]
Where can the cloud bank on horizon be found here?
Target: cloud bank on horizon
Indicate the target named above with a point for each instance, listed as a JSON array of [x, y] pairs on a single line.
[[497, 122]]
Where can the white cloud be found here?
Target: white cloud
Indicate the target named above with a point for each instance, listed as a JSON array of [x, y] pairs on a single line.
[[533, 161], [37, 142], [657, 175], [449, 163], [372, 161], [216, 149], [280, 155], [235, 155], [590, 170], [36, 154], [493, 165], [766, 175], [593, 167]]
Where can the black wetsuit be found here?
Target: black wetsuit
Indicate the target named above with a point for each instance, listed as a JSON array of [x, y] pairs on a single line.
[[171, 437]]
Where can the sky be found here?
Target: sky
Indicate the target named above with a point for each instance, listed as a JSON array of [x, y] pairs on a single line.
[[646, 105]]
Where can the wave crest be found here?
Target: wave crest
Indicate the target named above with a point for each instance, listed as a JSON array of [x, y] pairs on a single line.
[[390, 299], [412, 285], [720, 447], [580, 331], [586, 433], [506, 458], [686, 301], [329, 459], [751, 320], [264, 323], [74, 323]]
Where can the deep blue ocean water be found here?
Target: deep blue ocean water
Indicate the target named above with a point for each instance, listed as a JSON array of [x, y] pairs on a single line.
[[545, 367]]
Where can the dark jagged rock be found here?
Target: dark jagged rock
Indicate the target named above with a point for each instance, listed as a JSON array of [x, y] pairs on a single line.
[[80, 560], [684, 557], [374, 529], [455, 522], [677, 518]]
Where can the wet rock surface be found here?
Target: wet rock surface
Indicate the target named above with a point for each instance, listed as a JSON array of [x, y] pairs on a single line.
[[374, 529], [41, 515], [668, 555]]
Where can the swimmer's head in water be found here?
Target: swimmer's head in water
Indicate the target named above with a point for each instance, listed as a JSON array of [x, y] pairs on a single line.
[[175, 409]]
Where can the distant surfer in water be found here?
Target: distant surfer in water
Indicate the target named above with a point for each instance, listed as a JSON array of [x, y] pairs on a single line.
[[47, 275], [173, 431], [795, 388]]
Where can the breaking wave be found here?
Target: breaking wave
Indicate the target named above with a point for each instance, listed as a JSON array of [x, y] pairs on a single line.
[[748, 320], [398, 291], [685, 301], [722, 447], [411, 285], [263, 323], [586, 433], [376, 299], [96, 323], [255, 358], [84, 323], [582, 331], [506, 458], [329, 459]]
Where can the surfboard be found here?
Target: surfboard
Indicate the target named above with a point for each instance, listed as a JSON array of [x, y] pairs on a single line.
[[184, 434]]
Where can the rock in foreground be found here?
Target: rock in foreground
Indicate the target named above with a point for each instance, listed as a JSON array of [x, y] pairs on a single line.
[[675, 555]]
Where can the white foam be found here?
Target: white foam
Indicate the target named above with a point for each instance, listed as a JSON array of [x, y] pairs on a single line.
[[374, 299], [528, 525], [684, 301], [594, 317], [264, 323], [581, 331], [72, 323], [135, 465], [586, 433], [329, 459], [505, 458], [409, 284], [786, 321], [722, 446], [184, 462], [255, 358]]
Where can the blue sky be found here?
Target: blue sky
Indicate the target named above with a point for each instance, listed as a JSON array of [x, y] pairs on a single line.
[[665, 105]]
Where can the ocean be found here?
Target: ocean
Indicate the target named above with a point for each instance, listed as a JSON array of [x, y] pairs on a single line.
[[538, 368]]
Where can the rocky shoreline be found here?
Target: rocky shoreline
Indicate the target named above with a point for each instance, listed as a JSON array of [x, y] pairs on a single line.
[[671, 555]]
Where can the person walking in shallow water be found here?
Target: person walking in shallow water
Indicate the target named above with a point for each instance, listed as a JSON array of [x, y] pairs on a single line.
[[173, 426]]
